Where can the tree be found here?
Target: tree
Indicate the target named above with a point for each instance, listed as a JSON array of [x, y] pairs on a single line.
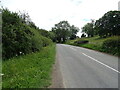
[[62, 31], [83, 35], [89, 29], [109, 24], [52, 36], [74, 31]]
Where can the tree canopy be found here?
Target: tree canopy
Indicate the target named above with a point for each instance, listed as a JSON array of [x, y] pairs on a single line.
[[108, 24], [64, 31], [73, 31], [89, 29]]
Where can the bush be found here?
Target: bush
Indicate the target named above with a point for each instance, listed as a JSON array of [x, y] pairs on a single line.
[[16, 40], [46, 41], [112, 46], [18, 37]]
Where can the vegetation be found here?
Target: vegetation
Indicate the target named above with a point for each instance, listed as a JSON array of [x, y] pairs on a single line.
[[29, 71], [48, 34], [108, 45], [28, 54], [83, 35], [89, 29], [0, 48], [106, 26], [112, 45], [108, 30], [63, 31], [20, 35], [81, 42]]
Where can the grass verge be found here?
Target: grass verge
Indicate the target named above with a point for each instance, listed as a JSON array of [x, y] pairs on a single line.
[[95, 43], [29, 71]]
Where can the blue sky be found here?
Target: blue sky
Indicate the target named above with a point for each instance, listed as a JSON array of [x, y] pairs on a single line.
[[46, 13]]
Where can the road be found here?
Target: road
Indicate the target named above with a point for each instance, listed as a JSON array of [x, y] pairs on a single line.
[[85, 68]]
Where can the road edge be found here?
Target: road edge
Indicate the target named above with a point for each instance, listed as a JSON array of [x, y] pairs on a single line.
[[57, 80]]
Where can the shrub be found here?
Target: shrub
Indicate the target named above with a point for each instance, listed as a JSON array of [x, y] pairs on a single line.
[[112, 46], [46, 41], [18, 37], [16, 40]]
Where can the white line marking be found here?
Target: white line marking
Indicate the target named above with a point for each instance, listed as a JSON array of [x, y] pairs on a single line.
[[102, 63], [73, 48]]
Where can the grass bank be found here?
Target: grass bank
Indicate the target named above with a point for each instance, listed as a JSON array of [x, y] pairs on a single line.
[[95, 43], [29, 71]]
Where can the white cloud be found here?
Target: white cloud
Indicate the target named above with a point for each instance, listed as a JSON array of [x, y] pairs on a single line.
[[46, 13]]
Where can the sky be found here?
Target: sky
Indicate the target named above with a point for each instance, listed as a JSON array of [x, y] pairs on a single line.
[[46, 13]]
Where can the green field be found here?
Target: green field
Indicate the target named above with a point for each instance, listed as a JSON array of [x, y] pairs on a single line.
[[29, 71], [95, 43]]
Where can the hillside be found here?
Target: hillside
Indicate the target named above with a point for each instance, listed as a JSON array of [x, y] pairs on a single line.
[[95, 43]]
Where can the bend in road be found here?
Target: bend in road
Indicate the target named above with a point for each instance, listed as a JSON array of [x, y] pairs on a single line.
[[85, 68]]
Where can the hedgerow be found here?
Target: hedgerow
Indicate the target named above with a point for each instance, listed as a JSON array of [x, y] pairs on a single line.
[[112, 46], [20, 35]]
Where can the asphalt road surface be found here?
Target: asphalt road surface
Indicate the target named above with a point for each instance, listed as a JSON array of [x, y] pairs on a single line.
[[85, 68]]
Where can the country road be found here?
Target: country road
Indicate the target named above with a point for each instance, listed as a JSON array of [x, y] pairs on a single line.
[[85, 68]]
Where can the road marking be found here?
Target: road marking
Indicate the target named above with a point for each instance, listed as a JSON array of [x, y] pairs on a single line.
[[102, 63], [73, 48]]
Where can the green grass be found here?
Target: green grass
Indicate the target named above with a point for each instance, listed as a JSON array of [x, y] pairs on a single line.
[[95, 43], [0, 65], [0, 73], [29, 71]]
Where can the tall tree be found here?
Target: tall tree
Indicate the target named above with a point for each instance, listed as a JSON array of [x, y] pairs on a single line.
[[83, 35], [62, 31], [74, 31], [109, 24], [89, 29]]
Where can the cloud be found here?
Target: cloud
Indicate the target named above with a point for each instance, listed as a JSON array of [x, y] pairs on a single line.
[[46, 13]]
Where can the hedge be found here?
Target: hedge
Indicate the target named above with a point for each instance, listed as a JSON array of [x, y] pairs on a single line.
[[112, 46]]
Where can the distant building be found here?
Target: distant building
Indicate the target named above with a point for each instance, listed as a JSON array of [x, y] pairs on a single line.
[[119, 6]]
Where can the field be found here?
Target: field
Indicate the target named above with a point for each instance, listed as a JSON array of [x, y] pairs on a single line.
[[29, 71]]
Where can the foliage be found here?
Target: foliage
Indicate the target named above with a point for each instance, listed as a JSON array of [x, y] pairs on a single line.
[[112, 45], [73, 31], [47, 34], [83, 35], [109, 24], [63, 31], [19, 36], [46, 41], [29, 71], [97, 43], [89, 29]]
